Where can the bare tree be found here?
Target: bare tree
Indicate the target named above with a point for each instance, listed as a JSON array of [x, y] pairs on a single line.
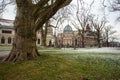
[[109, 34], [98, 23], [114, 6], [44, 30], [4, 3], [98, 26], [83, 15], [58, 19], [30, 17]]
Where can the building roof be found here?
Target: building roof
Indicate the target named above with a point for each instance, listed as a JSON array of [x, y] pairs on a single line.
[[6, 23], [68, 29]]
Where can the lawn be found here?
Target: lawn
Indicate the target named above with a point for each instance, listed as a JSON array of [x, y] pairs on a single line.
[[64, 65], [5, 48]]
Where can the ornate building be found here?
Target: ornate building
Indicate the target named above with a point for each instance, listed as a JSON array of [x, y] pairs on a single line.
[[7, 33], [66, 38], [70, 38]]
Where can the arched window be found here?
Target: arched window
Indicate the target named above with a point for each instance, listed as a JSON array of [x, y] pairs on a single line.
[[2, 40], [38, 41], [9, 40]]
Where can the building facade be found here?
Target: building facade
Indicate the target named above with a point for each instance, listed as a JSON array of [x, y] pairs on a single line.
[[49, 38], [7, 33], [70, 38]]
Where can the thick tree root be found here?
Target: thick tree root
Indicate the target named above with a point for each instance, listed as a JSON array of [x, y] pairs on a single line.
[[19, 55]]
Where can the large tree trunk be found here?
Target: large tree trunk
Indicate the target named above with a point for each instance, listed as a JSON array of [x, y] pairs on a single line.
[[24, 44], [30, 18], [24, 48]]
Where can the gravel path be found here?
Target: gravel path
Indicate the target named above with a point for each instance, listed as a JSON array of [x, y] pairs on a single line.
[[4, 53]]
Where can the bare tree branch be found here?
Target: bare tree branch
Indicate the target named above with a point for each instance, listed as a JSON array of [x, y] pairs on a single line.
[[4, 3]]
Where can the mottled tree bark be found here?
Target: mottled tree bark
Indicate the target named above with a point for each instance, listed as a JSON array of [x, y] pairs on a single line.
[[24, 44], [29, 19]]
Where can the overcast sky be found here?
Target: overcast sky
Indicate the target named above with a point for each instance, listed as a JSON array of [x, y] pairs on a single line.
[[10, 14]]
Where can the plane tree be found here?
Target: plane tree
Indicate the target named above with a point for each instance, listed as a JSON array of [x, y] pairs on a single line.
[[30, 17]]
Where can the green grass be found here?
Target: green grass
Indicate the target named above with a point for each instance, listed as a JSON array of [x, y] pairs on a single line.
[[57, 65], [47, 48], [5, 48]]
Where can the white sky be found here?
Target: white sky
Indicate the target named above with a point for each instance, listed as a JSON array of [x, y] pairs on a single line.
[[10, 14]]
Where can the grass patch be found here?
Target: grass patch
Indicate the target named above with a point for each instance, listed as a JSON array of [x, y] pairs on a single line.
[[5, 48], [57, 65], [47, 48]]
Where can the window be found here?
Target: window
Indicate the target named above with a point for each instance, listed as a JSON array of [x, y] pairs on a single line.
[[38, 41], [2, 40], [6, 31], [9, 40]]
